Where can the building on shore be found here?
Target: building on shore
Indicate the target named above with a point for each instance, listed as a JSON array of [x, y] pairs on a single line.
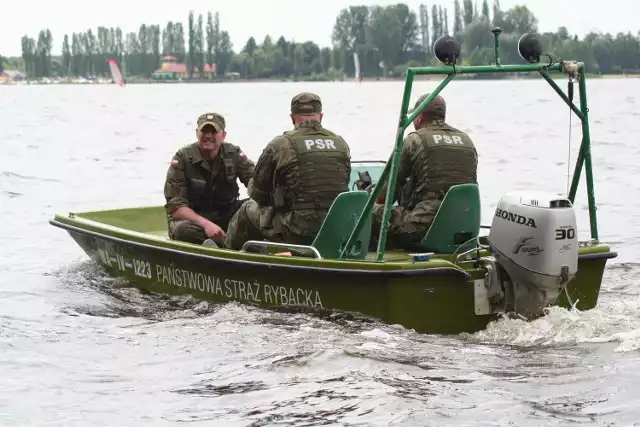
[[10, 76], [172, 70]]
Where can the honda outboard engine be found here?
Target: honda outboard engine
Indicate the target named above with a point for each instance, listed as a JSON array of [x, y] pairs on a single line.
[[534, 241]]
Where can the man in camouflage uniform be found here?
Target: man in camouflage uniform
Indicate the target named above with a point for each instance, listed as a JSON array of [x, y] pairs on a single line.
[[433, 159], [297, 178], [201, 187]]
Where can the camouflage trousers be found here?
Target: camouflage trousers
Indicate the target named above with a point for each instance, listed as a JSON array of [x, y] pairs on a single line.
[[187, 231], [406, 226], [252, 222]]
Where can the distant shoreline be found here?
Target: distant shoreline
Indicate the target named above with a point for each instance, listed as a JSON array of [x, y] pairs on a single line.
[[473, 77]]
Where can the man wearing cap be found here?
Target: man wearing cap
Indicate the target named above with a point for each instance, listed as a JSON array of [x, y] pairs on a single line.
[[201, 187], [433, 159], [297, 178]]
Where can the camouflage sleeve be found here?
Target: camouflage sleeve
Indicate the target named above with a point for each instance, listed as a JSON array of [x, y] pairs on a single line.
[[261, 186], [175, 186], [404, 168], [349, 155], [244, 167], [348, 149]]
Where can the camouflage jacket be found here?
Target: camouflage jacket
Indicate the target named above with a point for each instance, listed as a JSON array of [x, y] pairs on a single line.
[[209, 187], [299, 174], [432, 160]]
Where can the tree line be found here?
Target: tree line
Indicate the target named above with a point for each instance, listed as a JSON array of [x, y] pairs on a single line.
[[387, 39]]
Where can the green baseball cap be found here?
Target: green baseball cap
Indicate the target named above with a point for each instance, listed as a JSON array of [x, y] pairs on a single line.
[[212, 119], [437, 106], [306, 103]]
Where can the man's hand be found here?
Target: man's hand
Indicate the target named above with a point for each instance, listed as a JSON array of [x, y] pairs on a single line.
[[213, 231]]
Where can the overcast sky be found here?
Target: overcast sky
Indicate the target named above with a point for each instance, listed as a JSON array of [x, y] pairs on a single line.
[[298, 19]]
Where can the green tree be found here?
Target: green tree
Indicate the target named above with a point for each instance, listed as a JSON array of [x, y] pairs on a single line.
[[519, 20], [224, 56], [28, 56], [211, 41], [191, 58], [468, 13], [424, 30], [119, 42], [498, 14], [89, 42], [385, 33], [155, 47], [217, 39], [180, 51], [436, 28], [250, 47], [393, 35], [76, 55], [457, 19], [42, 56], [143, 39], [66, 55], [168, 39], [446, 23], [485, 10], [200, 46]]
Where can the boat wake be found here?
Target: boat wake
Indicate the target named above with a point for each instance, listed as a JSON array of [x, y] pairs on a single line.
[[616, 319], [19, 177], [124, 300], [251, 366]]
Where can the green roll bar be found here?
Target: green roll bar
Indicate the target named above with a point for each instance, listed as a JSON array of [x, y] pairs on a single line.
[[574, 69]]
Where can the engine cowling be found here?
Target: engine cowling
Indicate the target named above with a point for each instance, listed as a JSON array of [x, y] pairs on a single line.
[[533, 238]]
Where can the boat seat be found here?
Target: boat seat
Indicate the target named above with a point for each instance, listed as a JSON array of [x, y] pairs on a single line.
[[333, 234], [456, 222], [340, 222]]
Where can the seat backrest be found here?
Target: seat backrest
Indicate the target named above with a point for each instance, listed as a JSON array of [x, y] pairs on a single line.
[[457, 220], [340, 222]]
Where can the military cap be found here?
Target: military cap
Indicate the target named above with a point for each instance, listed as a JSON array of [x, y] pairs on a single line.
[[436, 107], [213, 119], [306, 103]]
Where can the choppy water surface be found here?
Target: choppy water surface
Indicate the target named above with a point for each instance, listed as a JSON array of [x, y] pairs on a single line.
[[77, 349]]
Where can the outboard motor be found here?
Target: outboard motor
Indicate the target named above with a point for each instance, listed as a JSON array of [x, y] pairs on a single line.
[[534, 241]]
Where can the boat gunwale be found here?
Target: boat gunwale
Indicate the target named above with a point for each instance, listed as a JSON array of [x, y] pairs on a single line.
[[180, 246], [598, 256], [386, 271], [586, 246]]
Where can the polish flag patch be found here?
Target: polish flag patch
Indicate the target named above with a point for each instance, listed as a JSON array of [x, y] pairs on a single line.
[[174, 162], [242, 155]]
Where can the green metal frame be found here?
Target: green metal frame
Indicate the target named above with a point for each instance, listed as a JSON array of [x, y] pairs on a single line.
[[391, 168]]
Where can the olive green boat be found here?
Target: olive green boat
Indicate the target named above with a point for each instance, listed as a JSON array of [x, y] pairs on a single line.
[[456, 280]]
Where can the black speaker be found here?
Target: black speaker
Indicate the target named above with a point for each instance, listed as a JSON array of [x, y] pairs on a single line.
[[530, 48], [447, 50]]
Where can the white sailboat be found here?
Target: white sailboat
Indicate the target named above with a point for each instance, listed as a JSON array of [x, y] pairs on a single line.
[[116, 75]]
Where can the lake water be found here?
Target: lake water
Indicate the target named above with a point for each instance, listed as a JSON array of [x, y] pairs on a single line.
[[77, 351]]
